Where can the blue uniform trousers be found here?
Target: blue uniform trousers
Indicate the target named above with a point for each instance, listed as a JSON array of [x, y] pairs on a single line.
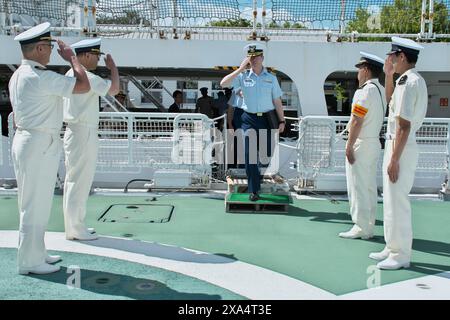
[[254, 140], [237, 118]]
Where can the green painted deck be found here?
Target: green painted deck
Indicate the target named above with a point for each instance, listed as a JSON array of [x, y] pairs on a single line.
[[302, 243]]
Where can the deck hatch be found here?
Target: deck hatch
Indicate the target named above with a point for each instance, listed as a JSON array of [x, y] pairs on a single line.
[[137, 213]]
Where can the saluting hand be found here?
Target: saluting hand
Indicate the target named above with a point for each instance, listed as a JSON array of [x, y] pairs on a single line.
[[244, 63], [65, 51], [109, 62], [389, 66]]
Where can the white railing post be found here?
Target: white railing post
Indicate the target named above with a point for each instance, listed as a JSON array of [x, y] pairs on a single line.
[[448, 155], [445, 190], [3, 12], [84, 16], [263, 21], [423, 19], [427, 19], [92, 16], [2, 20], [342, 19], [175, 19], [255, 15], [154, 15], [431, 20], [130, 128]]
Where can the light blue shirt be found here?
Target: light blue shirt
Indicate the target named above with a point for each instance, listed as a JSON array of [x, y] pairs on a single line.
[[259, 91], [235, 100]]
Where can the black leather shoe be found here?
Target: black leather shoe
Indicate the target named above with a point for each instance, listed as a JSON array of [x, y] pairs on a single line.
[[254, 197]]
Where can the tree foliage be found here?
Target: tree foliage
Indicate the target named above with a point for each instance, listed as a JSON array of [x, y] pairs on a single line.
[[241, 23], [403, 16], [129, 18]]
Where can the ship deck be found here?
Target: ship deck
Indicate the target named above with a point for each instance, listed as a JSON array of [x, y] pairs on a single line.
[[198, 251]]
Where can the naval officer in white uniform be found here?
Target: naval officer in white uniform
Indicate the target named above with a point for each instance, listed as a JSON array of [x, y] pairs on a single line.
[[407, 108], [363, 147], [81, 113], [36, 97]]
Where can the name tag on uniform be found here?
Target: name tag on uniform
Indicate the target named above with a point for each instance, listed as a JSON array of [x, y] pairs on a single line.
[[249, 82], [267, 81]]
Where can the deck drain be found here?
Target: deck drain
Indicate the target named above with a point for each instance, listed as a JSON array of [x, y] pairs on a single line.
[[102, 280], [137, 213], [6, 198], [423, 286], [127, 235], [145, 286]]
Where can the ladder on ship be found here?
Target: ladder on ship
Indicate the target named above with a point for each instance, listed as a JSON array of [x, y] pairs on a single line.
[[145, 91]]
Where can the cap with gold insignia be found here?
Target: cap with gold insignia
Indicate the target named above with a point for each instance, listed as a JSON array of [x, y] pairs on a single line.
[[368, 58], [41, 32], [407, 46], [253, 49], [88, 45]]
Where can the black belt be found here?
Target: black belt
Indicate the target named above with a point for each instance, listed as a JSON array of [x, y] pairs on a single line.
[[258, 114]]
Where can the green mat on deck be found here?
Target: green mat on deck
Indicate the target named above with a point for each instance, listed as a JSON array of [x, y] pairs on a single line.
[[263, 198]]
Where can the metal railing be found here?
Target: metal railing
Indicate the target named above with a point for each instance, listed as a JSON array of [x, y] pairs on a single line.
[[128, 141], [185, 141], [433, 139]]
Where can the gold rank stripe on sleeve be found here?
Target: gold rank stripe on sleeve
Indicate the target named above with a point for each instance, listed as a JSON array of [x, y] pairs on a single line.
[[359, 111]]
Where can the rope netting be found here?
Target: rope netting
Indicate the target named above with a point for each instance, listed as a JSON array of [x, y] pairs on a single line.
[[365, 15], [385, 16], [161, 9], [49, 9]]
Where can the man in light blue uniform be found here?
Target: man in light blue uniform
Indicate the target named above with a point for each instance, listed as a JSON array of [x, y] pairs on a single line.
[[261, 94]]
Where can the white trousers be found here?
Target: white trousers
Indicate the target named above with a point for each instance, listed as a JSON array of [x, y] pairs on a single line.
[[362, 183], [397, 208], [80, 147], [36, 156]]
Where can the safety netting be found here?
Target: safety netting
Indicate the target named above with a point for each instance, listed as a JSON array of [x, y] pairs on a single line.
[[162, 9], [378, 16], [386, 15], [47, 9]]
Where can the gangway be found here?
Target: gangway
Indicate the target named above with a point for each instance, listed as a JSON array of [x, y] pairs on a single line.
[[146, 93]]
